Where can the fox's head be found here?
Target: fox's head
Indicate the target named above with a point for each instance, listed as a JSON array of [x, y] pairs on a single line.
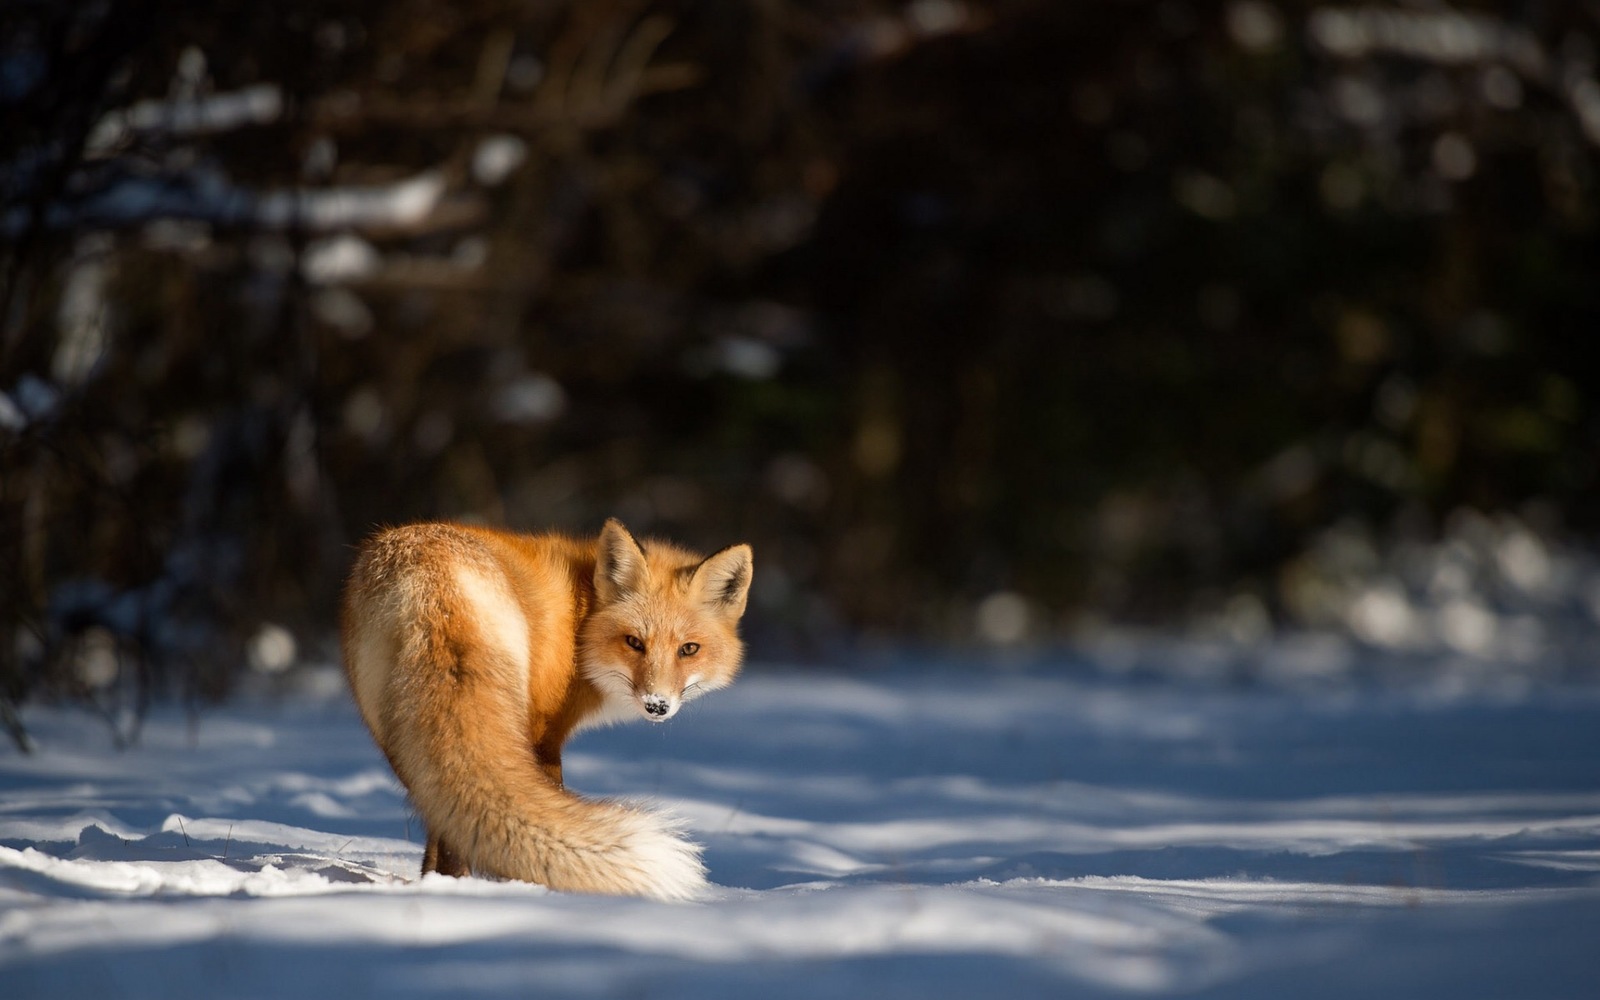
[[664, 627]]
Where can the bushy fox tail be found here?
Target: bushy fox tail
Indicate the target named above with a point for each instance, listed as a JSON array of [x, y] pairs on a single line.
[[500, 814]]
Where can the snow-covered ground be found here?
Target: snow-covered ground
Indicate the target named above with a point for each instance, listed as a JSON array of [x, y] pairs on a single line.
[[924, 834]]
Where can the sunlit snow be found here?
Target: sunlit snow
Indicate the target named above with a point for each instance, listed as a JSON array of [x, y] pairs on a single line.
[[907, 833]]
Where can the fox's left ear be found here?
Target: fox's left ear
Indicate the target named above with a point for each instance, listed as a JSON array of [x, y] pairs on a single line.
[[723, 580]]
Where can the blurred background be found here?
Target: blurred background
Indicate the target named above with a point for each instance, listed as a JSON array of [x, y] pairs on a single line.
[[992, 326]]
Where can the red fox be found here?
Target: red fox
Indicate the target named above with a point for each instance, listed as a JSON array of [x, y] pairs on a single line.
[[474, 654]]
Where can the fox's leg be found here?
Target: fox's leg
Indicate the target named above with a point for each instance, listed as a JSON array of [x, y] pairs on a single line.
[[549, 760], [438, 857]]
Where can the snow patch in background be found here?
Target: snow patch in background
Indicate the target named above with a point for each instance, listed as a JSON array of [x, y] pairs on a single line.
[[1490, 604]]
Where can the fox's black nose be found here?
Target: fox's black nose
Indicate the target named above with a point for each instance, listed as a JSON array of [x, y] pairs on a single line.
[[656, 706]]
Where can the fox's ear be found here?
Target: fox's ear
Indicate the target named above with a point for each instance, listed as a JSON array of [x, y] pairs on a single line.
[[723, 580], [618, 562]]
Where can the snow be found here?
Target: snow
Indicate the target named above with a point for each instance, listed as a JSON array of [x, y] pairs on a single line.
[[261, 104], [929, 832], [205, 195]]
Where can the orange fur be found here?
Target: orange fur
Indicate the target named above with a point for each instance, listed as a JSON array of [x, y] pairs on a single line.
[[475, 654]]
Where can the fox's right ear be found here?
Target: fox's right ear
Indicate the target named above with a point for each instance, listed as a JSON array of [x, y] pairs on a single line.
[[618, 563]]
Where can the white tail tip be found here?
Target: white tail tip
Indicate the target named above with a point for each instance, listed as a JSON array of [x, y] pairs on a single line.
[[668, 866]]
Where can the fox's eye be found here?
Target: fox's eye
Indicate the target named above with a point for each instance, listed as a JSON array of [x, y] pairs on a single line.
[[634, 643], [689, 649]]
